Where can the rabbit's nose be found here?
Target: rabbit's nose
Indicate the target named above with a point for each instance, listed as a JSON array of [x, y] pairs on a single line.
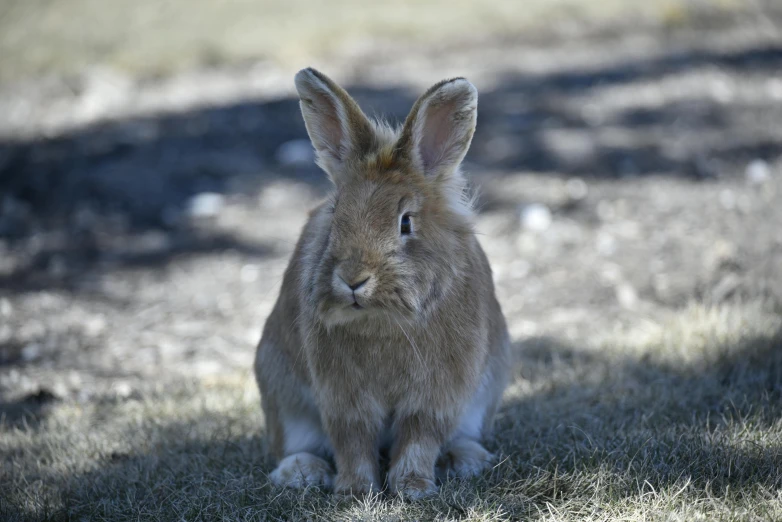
[[358, 282], [352, 282], [356, 286]]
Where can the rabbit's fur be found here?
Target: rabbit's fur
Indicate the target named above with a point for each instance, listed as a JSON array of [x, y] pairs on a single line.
[[383, 339]]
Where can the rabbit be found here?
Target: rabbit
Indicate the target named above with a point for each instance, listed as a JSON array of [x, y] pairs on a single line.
[[387, 334]]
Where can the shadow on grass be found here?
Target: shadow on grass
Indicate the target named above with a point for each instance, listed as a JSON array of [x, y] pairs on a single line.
[[135, 176], [582, 418], [646, 425], [74, 260], [27, 411], [590, 430]]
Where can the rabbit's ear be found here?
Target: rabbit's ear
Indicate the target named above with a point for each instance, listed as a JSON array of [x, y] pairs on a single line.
[[439, 128], [338, 128]]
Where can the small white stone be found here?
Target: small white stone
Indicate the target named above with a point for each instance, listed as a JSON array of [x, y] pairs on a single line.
[[295, 152], [626, 295], [73, 379], [94, 326], [576, 189], [206, 204], [722, 91], [122, 390], [605, 244], [758, 172], [252, 335], [774, 88], [249, 273], [536, 217]]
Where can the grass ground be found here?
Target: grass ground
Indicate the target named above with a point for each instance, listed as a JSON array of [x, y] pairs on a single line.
[[644, 300], [680, 420], [40, 37]]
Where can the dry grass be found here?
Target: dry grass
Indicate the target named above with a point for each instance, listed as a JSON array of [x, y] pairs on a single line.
[[677, 418], [39, 37], [680, 420]]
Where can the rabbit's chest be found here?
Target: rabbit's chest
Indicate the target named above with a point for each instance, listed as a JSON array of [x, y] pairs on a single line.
[[395, 368], [392, 369]]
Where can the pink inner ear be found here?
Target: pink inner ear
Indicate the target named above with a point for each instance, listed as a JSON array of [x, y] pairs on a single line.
[[329, 131], [436, 135]]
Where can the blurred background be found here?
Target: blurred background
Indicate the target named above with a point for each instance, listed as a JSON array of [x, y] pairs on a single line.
[[155, 170], [155, 174]]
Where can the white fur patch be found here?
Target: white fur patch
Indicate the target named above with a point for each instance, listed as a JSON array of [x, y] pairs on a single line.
[[385, 132], [460, 200], [302, 434], [472, 419]]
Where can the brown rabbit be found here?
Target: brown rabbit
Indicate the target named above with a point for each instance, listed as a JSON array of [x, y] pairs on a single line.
[[387, 332]]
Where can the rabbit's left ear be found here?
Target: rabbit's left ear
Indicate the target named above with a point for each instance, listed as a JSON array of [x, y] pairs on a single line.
[[337, 127], [438, 131]]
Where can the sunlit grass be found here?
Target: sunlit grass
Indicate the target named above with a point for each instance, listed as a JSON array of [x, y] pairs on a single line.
[[40, 37], [678, 420]]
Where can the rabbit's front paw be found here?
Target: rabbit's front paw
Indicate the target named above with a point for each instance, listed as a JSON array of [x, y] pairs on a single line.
[[301, 470], [413, 487], [357, 483], [465, 458]]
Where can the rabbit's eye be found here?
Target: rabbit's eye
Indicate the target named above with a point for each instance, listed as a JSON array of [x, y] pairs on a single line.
[[405, 225]]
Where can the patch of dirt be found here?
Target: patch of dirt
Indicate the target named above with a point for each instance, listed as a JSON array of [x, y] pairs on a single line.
[[143, 235]]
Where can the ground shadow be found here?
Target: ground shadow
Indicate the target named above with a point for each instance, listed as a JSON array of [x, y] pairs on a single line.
[[647, 423], [27, 411], [134, 176], [640, 425]]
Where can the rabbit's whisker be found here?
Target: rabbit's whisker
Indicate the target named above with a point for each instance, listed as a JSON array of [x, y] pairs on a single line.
[[412, 343]]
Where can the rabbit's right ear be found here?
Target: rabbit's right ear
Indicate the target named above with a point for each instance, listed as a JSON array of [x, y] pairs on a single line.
[[439, 128], [337, 127]]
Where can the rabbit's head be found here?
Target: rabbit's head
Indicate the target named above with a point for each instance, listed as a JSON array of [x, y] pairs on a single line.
[[398, 229]]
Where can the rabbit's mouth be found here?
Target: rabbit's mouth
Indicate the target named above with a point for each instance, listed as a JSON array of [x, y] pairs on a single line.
[[340, 314]]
